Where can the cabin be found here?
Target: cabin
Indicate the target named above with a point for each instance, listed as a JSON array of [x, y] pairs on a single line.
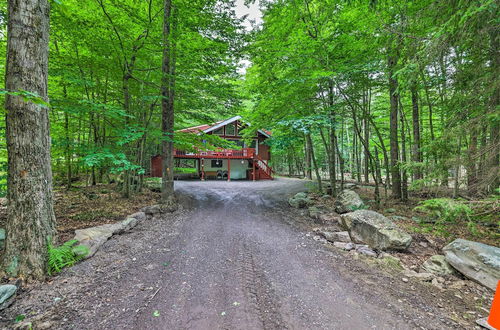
[[251, 162]]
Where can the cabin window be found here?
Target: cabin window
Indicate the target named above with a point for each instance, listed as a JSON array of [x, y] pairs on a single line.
[[239, 143], [231, 130], [252, 144], [219, 131], [216, 163]]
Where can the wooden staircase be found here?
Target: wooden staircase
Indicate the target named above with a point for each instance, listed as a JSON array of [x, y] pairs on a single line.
[[262, 170]]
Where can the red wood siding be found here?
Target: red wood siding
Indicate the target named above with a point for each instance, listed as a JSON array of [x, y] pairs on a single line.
[[264, 152], [156, 163]]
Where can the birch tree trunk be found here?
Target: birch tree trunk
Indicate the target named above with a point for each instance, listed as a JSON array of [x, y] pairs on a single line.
[[30, 218]]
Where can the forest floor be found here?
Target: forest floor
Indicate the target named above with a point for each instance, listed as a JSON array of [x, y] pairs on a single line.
[[87, 206], [237, 256]]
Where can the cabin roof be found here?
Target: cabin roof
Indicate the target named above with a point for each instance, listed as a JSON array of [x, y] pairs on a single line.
[[206, 128]]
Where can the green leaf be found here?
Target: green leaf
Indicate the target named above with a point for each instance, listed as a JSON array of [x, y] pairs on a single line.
[[19, 318]]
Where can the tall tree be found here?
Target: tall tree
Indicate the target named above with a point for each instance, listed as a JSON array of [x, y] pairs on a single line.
[[394, 101], [30, 219], [167, 105]]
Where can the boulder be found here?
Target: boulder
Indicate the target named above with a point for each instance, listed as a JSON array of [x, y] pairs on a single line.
[[2, 238], [477, 261], [350, 185], [340, 245], [364, 249], [138, 215], [424, 277], [339, 236], [329, 218], [348, 201], [438, 265], [375, 230], [349, 246], [95, 237], [315, 212], [151, 210], [300, 200], [7, 293]]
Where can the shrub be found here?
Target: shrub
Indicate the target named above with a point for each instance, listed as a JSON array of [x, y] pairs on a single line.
[[65, 255], [445, 209]]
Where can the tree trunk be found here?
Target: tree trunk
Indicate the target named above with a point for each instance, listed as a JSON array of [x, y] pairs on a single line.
[[341, 161], [494, 178], [331, 134], [404, 179], [167, 103], [416, 148], [30, 216], [394, 96], [307, 155], [471, 162], [313, 158]]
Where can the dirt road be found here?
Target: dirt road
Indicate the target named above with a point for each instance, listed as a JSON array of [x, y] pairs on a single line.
[[233, 261]]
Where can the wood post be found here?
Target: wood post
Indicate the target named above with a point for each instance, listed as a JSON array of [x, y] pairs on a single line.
[[228, 169], [253, 172], [202, 169]]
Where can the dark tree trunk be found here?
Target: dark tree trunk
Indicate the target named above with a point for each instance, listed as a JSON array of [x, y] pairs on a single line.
[[394, 96], [493, 176], [30, 218], [404, 179], [471, 163], [307, 155], [416, 148], [341, 161], [167, 92], [331, 134]]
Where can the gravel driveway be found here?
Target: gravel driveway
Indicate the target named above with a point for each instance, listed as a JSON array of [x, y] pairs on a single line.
[[232, 260]]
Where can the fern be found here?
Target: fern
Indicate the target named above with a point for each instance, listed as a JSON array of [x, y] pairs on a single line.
[[445, 209], [65, 255]]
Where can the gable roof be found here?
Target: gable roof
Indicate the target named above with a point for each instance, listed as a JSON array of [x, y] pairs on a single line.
[[209, 128]]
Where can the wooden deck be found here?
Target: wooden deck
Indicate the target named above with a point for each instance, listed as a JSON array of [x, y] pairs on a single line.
[[244, 153], [260, 168]]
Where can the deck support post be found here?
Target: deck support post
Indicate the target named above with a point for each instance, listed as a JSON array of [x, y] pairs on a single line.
[[253, 171], [229, 169], [202, 169]]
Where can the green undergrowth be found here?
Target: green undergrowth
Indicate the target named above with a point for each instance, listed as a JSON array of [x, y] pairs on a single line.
[[451, 218], [65, 255]]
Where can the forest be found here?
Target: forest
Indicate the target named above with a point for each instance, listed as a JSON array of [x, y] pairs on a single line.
[[400, 95]]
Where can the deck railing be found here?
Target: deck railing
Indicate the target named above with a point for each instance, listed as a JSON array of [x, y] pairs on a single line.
[[222, 153]]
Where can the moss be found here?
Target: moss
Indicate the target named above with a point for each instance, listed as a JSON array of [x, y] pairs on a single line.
[[13, 266], [389, 262]]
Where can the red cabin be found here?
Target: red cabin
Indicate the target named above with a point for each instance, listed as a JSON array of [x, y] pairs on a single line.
[[250, 162]]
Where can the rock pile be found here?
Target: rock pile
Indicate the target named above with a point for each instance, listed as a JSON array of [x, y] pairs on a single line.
[[95, 237]]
